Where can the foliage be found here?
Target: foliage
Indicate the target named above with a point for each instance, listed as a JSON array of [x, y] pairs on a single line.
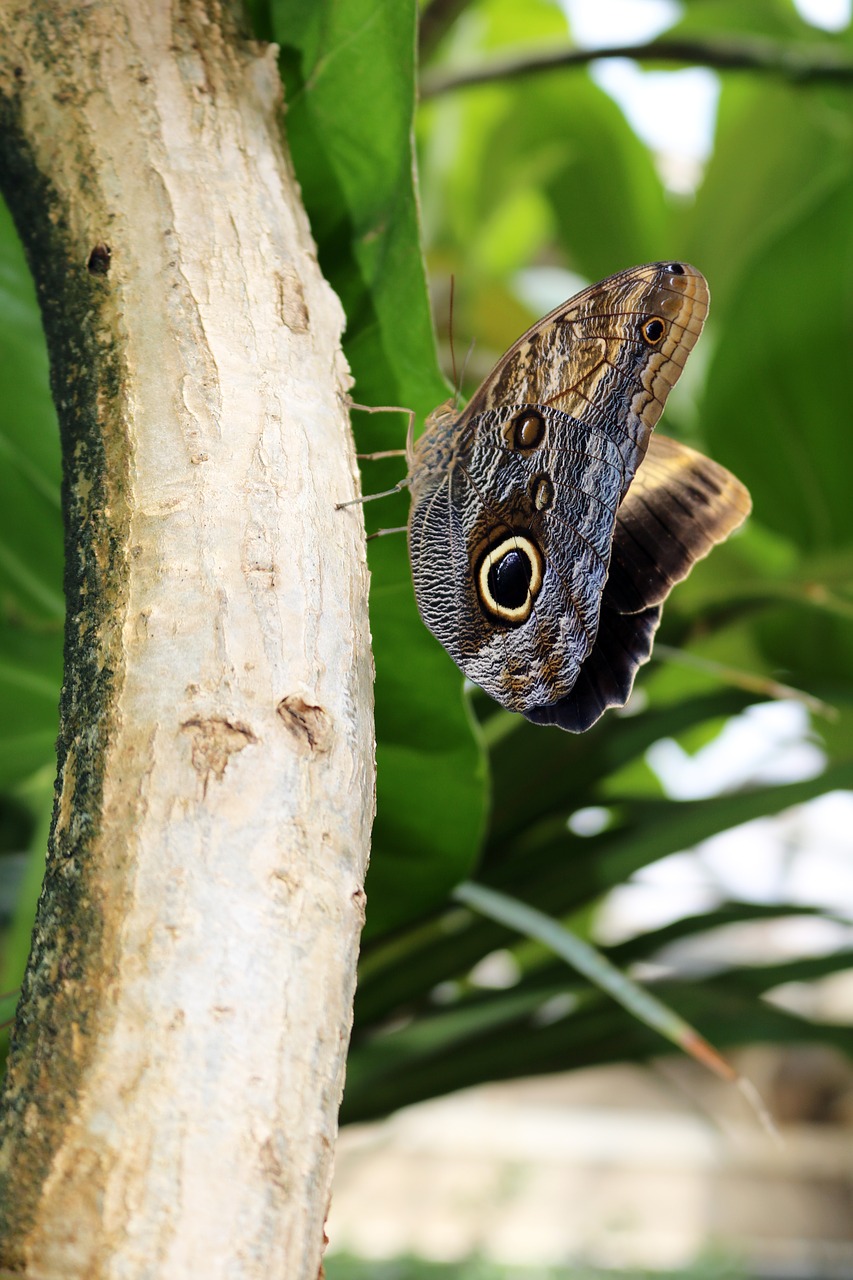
[[539, 172], [343, 1267]]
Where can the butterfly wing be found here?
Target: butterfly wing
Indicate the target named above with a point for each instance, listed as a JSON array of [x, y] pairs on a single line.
[[610, 355], [510, 551], [519, 503], [679, 506]]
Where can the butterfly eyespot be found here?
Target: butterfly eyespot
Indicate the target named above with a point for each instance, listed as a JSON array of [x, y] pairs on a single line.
[[676, 268], [509, 578], [526, 431], [653, 330], [542, 492]]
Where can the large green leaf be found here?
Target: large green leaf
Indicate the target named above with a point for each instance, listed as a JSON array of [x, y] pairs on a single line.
[[348, 70], [561, 873], [775, 409], [751, 195], [777, 397]]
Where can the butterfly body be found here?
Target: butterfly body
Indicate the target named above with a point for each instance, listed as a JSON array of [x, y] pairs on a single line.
[[542, 537]]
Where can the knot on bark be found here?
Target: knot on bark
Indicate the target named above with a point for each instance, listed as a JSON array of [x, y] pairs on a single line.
[[214, 742], [309, 725]]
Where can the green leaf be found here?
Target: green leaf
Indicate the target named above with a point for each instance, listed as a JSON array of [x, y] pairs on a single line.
[[30, 515], [561, 874], [349, 77], [523, 1032], [31, 537], [752, 195], [593, 965], [569, 769]]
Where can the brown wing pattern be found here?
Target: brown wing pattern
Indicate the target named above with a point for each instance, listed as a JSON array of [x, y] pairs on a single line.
[[542, 544], [589, 357], [679, 506]]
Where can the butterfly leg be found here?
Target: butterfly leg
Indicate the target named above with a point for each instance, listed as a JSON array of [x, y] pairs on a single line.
[[369, 497], [408, 453], [388, 408], [380, 533], [383, 453]]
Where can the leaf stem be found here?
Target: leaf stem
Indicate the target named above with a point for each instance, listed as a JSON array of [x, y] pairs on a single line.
[[767, 57]]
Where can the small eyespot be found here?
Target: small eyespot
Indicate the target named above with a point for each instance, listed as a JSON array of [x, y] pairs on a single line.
[[526, 431], [676, 268], [542, 492], [653, 330]]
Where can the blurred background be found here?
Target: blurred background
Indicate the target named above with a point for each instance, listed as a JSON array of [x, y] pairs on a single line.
[[504, 1116], [535, 181]]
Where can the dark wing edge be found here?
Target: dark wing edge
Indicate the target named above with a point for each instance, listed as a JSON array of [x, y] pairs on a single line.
[[679, 506], [623, 644]]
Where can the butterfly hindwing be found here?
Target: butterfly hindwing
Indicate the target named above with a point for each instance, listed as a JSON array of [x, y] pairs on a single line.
[[679, 506]]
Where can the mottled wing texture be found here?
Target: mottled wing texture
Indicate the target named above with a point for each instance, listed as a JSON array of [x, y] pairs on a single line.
[[541, 548], [488, 494]]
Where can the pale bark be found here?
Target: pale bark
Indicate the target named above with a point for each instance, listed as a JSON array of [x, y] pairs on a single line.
[[171, 1104]]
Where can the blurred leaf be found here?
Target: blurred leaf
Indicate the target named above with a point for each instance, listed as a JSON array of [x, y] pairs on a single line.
[[786, 340], [504, 1035], [778, 18], [561, 873], [30, 516], [547, 162], [752, 195], [31, 540], [563, 772], [593, 965], [35, 798]]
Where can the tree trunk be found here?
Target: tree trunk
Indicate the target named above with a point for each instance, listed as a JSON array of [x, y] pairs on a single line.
[[177, 1064]]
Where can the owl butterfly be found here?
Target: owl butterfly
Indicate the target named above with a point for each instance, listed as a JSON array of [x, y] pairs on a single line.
[[548, 524]]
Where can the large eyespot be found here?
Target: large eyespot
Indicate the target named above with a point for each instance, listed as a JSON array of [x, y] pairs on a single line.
[[653, 330], [526, 431], [509, 578]]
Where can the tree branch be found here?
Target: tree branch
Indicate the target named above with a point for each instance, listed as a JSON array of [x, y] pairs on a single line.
[[177, 1063], [436, 19], [767, 57]]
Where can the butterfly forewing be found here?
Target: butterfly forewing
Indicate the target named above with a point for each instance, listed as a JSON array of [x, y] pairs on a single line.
[[612, 353]]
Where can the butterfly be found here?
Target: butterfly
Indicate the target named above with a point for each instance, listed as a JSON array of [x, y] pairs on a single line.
[[548, 524]]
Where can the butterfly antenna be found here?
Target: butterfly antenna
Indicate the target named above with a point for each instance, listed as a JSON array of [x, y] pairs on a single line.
[[468, 355], [450, 333]]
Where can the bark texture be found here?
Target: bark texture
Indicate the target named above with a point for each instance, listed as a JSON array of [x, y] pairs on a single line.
[[171, 1103]]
